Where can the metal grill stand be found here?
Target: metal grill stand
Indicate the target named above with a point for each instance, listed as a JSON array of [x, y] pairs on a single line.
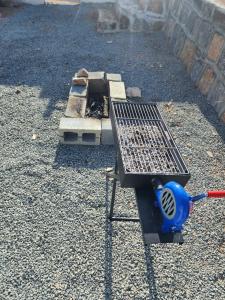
[[111, 215]]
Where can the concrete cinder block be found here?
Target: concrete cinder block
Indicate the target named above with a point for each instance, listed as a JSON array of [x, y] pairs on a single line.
[[96, 75], [80, 131], [117, 90], [79, 91], [107, 21], [107, 134], [113, 77], [76, 107]]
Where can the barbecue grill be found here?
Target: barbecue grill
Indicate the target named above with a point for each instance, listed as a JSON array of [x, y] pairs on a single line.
[[145, 146], [149, 161]]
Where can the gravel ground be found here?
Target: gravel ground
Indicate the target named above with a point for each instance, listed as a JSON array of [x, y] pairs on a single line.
[[55, 242]]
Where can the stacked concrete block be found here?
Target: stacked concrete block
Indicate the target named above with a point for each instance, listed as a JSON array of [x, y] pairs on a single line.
[[78, 129], [196, 30], [117, 90], [82, 131], [76, 107], [107, 21], [113, 77], [106, 133]]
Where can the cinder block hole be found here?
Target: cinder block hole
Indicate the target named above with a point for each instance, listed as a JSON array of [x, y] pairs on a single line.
[[88, 137], [124, 23], [102, 26], [113, 26], [70, 136], [97, 103]]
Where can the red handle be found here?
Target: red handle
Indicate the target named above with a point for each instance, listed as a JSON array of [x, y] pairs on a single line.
[[216, 194]]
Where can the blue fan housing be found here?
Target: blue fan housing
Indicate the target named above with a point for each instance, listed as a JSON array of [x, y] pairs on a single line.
[[175, 205]]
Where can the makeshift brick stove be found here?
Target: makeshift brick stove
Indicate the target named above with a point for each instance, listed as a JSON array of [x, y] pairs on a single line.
[[86, 120]]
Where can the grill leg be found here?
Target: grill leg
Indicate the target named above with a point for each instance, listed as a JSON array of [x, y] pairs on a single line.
[[117, 218], [113, 193]]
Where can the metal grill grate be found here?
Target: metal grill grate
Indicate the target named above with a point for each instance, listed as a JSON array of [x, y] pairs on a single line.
[[145, 144], [136, 111]]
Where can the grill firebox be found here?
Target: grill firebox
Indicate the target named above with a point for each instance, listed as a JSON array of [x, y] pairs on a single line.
[[146, 148]]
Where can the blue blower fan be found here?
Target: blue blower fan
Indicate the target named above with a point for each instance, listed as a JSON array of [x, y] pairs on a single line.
[[176, 204]]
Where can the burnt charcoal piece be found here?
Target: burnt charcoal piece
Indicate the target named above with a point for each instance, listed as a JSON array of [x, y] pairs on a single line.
[[95, 107]]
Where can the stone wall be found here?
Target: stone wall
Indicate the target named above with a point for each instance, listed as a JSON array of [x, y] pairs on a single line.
[[196, 30]]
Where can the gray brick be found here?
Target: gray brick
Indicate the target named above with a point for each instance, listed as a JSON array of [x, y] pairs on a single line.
[[107, 134], [219, 18], [96, 75], [76, 107], [113, 77], [117, 90]]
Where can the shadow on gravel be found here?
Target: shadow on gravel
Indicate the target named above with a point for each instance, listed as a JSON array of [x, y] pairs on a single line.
[[109, 257], [92, 157], [52, 42]]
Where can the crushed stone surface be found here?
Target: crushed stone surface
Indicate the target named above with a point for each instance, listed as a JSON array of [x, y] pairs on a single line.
[[55, 241]]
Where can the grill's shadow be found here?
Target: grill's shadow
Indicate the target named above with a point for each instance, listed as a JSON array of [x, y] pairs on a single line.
[[153, 295]]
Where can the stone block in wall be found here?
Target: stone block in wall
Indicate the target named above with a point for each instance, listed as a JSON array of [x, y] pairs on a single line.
[[191, 21], [207, 80], [169, 28], [202, 33], [185, 12], [216, 46], [177, 40], [204, 7], [197, 70], [155, 6], [219, 18], [188, 54], [221, 63], [175, 8], [216, 98], [141, 4], [222, 118]]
